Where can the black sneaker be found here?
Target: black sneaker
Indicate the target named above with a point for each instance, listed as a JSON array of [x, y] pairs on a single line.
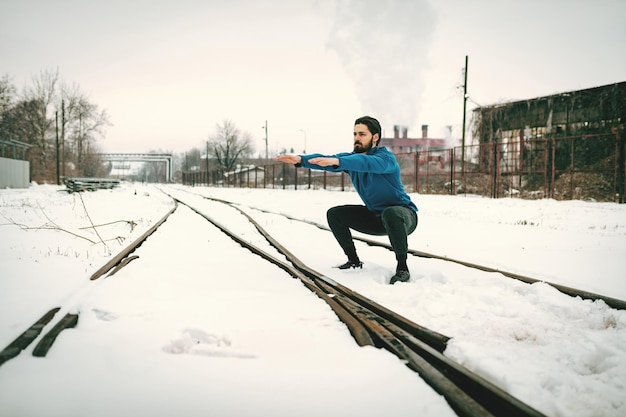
[[351, 264], [402, 276]]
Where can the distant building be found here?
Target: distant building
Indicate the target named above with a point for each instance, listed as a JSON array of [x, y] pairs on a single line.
[[402, 143], [14, 168], [595, 110], [245, 173], [577, 135]]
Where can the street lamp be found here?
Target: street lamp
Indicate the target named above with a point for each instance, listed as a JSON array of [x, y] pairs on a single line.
[[304, 131]]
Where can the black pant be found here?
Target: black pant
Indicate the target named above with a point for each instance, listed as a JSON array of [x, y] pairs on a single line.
[[397, 222]]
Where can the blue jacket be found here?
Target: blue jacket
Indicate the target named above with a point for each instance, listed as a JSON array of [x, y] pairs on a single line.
[[375, 175]]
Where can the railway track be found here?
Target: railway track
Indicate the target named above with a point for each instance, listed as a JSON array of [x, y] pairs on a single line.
[[69, 319], [571, 291], [372, 324], [369, 323]]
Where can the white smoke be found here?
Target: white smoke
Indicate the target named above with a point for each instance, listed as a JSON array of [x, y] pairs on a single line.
[[383, 45]]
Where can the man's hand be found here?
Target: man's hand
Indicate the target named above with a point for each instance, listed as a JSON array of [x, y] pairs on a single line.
[[289, 159], [324, 161]]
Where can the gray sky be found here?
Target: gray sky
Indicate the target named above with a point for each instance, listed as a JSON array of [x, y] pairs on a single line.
[[168, 72]]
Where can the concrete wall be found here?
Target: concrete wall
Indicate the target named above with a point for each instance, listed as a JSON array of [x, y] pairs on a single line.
[[14, 173]]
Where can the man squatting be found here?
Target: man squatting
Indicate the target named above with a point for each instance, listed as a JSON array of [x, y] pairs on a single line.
[[375, 173]]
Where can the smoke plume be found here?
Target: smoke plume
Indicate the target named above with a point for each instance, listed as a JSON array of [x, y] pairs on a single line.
[[383, 46]]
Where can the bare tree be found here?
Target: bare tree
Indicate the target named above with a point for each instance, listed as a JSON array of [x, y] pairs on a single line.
[[41, 97], [7, 97], [192, 160], [47, 108], [81, 124], [228, 146], [7, 94], [92, 164]]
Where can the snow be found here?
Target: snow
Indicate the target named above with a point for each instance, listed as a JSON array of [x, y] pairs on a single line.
[[188, 329]]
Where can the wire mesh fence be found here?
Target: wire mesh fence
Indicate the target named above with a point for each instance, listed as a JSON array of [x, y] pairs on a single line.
[[588, 167]]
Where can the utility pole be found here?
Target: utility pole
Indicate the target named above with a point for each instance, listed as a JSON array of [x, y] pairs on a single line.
[[56, 124], [207, 163], [63, 138], [464, 111], [266, 154]]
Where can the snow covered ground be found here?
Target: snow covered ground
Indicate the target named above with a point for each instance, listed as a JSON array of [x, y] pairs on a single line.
[[203, 336]]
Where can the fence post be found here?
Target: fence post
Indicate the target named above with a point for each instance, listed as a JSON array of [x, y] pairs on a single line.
[[417, 175], [552, 168], [284, 175], [452, 168], [545, 167], [620, 163], [498, 170], [494, 191], [415, 171], [264, 176], [572, 168]]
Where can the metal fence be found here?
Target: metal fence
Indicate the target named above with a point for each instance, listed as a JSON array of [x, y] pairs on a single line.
[[589, 167]]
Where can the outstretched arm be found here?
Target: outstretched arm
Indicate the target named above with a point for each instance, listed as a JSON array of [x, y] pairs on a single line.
[[324, 161], [321, 161], [289, 159]]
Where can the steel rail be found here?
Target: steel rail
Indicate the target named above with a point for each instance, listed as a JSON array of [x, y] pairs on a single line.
[[420, 348], [433, 338], [571, 291], [468, 394], [70, 320]]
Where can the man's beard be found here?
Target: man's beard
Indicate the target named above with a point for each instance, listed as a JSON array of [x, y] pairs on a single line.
[[360, 148]]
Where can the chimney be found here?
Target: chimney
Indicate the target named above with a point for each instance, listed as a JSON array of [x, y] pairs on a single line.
[[405, 132], [396, 131], [424, 131]]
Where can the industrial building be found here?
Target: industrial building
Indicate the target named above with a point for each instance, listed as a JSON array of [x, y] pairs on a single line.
[[402, 143], [573, 142]]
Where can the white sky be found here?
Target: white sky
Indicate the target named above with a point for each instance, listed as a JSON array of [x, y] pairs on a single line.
[[168, 72]]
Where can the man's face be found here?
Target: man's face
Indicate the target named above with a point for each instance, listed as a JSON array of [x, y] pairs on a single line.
[[363, 139]]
